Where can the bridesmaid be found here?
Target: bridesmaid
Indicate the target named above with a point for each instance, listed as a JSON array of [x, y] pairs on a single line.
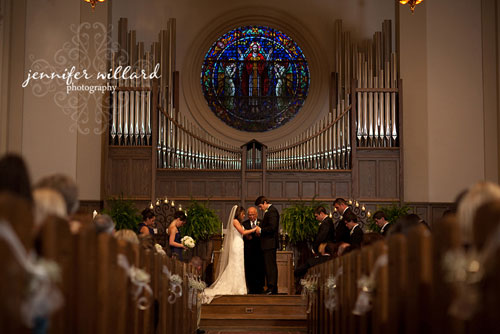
[[175, 236], [148, 220]]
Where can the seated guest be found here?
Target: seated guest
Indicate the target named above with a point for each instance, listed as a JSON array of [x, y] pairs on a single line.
[[370, 238], [326, 231], [174, 239], [48, 202], [405, 223], [355, 234], [325, 253], [148, 220], [127, 235], [476, 196], [104, 224], [14, 176], [15, 186], [68, 189], [381, 221], [147, 242]]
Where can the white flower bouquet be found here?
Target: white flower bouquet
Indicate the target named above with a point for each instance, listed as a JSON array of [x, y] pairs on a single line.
[[188, 242]]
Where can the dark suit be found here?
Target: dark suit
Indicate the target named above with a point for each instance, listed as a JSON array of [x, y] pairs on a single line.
[[326, 233], [254, 261], [269, 241], [356, 237], [386, 229], [341, 230]]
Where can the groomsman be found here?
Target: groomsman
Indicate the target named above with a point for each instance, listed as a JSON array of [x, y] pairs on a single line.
[[382, 222], [341, 230], [254, 260], [326, 232], [269, 240]]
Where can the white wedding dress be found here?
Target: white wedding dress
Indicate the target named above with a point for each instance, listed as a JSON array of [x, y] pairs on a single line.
[[231, 269]]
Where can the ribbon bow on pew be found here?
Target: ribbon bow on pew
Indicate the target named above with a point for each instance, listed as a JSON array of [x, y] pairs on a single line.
[[140, 279], [43, 297], [367, 285], [175, 285]]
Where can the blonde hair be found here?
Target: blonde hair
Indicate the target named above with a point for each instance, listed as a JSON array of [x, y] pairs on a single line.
[[127, 235], [48, 202], [477, 195]]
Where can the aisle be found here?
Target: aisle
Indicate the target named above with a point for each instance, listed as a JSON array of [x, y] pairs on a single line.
[[255, 314]]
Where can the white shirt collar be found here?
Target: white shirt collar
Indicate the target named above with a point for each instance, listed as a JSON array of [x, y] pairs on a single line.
[[352, 229], [383, 227]]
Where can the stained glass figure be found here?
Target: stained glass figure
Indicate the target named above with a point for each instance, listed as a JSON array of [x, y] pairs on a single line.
[[255, 78]]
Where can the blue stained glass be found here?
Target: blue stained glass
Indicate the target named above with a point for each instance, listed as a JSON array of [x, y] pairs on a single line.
[[255, 78]]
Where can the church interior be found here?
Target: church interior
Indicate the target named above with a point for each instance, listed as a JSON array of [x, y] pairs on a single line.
[[160, 105]]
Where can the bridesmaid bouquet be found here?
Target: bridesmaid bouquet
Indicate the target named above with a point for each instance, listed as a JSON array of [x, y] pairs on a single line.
[[188, 242]]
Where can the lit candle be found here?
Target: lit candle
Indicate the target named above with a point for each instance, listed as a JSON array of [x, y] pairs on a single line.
[[172, 204], [369, 214], [94, 214], [180, 207], [166, 200], [157, 202], [363, 208], [151, 206]]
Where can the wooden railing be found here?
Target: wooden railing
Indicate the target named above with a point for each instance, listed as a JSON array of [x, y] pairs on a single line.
[[411, 293]]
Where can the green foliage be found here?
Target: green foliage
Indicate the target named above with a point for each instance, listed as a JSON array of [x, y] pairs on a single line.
[[299, 222], [124, 213], [392, 213], [202, 222]]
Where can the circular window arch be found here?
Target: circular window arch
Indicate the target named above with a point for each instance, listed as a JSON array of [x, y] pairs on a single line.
[[255, 78]]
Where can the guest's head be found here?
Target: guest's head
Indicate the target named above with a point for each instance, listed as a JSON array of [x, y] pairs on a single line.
[[48, 202], [320, 213], [350, 219], [104, 224], [407, 222], [14, 176], [262, 203], [252, 213], [340, 204], [476, 196], [147, 242], [486, 223], [239, 214], [127, 235], [65, 186], [380, 218], [370, 238], [148, 216], [197, 264]]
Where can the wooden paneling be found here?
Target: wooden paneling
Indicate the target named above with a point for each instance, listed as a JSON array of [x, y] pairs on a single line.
[[388, 179], [253, 189], [325, 189], [140, 171], [367, 179], [198, 188], [275, 189], [291, 190], [309, 189], [182, 189], [215, 188]]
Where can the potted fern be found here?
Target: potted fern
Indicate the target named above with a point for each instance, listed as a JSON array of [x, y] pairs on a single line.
[[202, 222], [299, 223], [124, 213]]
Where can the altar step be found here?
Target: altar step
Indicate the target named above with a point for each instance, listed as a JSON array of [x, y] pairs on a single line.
[[255, 312]]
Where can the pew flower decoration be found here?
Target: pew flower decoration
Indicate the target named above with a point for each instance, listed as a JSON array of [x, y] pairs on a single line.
[[196, 285], [140, 279], [43, 296], [159, 249], [188, 242], [175, 285], [309, 287], [367, 286], [331, 299]]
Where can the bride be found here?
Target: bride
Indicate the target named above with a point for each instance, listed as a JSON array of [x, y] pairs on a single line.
[[231, 269]]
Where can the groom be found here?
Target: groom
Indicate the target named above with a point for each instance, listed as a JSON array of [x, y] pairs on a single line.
[[269, 240]]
